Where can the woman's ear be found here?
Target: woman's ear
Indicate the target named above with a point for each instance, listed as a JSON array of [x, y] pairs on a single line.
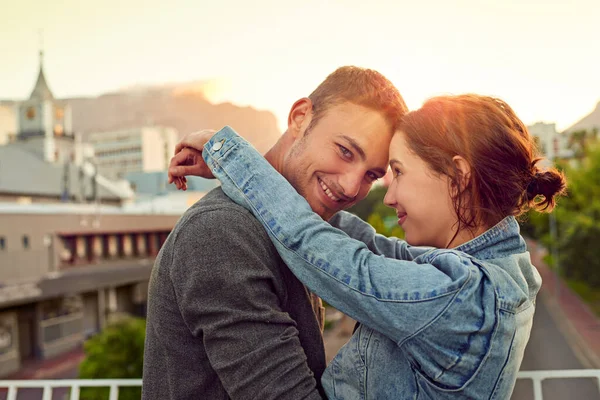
[[300, 117], [464, 173]]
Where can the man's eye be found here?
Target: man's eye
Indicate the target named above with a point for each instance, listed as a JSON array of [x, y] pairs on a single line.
[[345, 152], [372, 177]]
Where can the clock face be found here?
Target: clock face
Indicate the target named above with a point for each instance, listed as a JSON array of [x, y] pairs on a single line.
[[30, 113]]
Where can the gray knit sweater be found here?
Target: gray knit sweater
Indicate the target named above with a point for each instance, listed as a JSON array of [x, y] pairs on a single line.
[[226, 318]]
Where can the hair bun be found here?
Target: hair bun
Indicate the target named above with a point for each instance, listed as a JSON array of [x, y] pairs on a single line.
[[549, 184]]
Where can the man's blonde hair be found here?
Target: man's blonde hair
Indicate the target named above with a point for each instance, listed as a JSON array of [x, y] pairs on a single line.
[[360, 86]]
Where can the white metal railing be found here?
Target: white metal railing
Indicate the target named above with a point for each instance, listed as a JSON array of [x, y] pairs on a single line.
[[73, 384], [114, 384], [538, 376]]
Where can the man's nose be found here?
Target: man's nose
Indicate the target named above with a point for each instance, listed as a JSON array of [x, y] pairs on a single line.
[[351, 184]]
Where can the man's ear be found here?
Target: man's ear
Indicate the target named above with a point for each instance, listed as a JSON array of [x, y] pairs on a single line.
[[464, 172], [300, 117]]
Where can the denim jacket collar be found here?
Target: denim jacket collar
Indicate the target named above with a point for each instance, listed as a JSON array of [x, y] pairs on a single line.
[[499, 241]]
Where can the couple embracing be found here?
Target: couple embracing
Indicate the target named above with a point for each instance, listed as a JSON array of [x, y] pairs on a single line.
[[234, 306]]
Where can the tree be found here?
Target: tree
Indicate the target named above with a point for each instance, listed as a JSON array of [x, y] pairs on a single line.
[[115, 353], [366, 206], [377, 214], [578, 219], [581, 140]]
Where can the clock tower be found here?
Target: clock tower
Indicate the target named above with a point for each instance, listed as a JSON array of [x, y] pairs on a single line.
[[45, 124]]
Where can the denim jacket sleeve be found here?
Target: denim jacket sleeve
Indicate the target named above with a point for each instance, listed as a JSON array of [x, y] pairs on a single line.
[[390, 247], [396, 297]]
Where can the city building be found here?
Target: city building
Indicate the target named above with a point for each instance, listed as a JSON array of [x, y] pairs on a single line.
[[44, 124], [71, 253], [154, 194], [124, 151], [65, 269], [551, 143], [8, 122], [26, 178], [76, 248], [45, 161]]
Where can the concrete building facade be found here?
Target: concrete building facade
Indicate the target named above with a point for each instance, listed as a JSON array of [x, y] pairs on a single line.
[[144, 149], [8, 122], [65, 269], [44, 124], [551, 143]]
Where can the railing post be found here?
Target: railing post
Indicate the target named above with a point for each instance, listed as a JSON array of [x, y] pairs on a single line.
[[74, 392], [12, 393], [537, 389], [114, 392], [47, 395]]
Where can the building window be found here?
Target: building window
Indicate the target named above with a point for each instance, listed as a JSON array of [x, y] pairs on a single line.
[[61, 318], [2, 243], [30, 113], [25, 241], [59, 113], [6, 336]]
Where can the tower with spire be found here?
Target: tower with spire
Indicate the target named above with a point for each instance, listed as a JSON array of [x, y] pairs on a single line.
[[45, 123]]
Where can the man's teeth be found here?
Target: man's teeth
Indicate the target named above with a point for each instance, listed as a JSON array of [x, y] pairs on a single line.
[[328, 192]]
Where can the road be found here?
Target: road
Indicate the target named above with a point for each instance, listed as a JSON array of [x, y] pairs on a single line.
[[549, 350]]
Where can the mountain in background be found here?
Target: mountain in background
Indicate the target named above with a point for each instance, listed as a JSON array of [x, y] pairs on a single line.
[[182, 106], [589, 122]]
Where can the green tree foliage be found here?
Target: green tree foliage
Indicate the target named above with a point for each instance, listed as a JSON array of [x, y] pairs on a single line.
[[377, 214], [365, 207], [578, 219], [115, 353], [581, 140]]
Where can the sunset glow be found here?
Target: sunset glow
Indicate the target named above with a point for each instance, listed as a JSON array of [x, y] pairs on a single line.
[[541, 57]]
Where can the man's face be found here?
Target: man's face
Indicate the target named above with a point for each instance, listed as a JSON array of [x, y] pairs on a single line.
[[334, 164]]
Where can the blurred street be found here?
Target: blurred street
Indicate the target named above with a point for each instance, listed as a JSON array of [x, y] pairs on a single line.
[[549, 350]]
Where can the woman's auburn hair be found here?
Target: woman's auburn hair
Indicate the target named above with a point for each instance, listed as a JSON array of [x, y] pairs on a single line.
[[505, 176]]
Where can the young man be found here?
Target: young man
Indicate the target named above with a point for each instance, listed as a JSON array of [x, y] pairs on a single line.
[[226, 318]]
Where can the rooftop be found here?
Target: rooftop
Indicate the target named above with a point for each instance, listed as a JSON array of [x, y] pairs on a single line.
[[24, 173]]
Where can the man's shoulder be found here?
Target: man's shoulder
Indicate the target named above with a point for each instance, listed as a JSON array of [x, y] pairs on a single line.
[[215, 208], [221, 229], [216, 205]]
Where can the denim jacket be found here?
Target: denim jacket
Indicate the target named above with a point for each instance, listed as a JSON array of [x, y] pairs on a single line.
[[435, 323]]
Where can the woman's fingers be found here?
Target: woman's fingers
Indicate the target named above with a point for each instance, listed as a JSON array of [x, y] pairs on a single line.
[[195, 140]]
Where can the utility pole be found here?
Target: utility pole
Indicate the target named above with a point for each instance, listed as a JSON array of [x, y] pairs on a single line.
[[552, 219]]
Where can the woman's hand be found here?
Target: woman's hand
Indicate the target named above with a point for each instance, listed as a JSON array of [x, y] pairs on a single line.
[[188, 158]]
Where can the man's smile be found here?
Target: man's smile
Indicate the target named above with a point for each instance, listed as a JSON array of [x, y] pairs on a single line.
[[329, 192]]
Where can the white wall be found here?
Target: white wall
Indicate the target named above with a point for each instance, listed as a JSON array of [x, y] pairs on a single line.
[[158, 145], [552, 143], [8, 123]]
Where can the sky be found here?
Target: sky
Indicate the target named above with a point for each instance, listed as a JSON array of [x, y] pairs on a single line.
[[541, 56]]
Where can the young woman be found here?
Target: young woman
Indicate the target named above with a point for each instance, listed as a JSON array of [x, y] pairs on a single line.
[[447, 313]]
